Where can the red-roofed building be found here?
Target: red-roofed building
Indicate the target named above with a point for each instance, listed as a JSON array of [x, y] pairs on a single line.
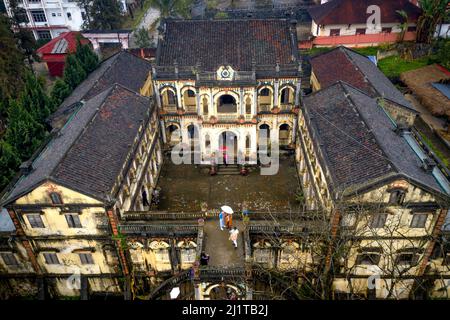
[[54, 52], [348, 22]]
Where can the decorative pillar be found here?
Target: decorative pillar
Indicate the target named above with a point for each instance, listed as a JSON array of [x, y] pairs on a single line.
[[241, 102], [297, 93], [197, 97], [163, 131], [211, 109], [179, 105], [275, 94], [255, 99]]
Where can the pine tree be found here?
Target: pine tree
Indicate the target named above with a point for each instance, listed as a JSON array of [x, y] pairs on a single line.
[[12, 67], [60, 91], [142, 38], [9, 163], [74, 72], [87, 58], [105, 15], [34, 99], [24, 133]]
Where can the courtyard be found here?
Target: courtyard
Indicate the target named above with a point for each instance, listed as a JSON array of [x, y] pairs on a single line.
[[185, 187]]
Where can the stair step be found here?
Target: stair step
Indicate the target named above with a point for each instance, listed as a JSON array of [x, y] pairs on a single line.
[[227, 173]]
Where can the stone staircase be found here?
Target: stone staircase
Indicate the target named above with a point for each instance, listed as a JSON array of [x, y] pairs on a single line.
[[231, 169]]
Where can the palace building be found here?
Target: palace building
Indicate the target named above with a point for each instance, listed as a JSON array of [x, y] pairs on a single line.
[[225, 81], [373, 201]]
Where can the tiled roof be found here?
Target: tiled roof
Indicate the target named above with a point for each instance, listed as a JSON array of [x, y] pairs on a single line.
[[343, 64], [123, 68], [357, 141], [89, 151], [355, 11], [64, 43], [235, 42]]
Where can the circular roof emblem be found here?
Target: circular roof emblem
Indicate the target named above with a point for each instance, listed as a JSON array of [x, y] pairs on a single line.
[[225, 73]]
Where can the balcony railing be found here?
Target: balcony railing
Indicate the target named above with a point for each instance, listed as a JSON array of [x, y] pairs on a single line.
[[170, 108], [238, 76], [227, 117], [264, 108], [286, 106], [191, 108]]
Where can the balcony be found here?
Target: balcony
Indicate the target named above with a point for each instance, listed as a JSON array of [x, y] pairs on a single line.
[[227, 117], [286, 107], [264, 108], [170, 108], [191, 108]]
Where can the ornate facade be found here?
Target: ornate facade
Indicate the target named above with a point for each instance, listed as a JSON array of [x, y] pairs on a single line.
[[228, 88]]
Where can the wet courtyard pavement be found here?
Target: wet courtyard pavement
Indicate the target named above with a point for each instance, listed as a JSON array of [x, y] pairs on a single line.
[[185, 187]]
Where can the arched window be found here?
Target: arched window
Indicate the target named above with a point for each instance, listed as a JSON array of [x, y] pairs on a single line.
[[287, 96], [56, 198], [207, 142], [247, 142], [227, 104], [248, 105], [264, 92], [205, 105], [284, 134]]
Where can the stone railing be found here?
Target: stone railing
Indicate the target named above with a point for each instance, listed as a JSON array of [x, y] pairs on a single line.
[[190, 108], [158, 228], [228, 117], [172, 108], [160, 215], [264, 108], [286, 107]]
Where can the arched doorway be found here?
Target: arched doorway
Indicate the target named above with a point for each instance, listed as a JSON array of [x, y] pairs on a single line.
[[284, 134], [264, 135], [227, 104], [189, 100], [287, 96], [169, 100], [173, 134], [228, 147]]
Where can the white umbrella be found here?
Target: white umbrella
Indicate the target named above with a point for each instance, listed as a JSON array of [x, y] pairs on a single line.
[[174, 293], [227, 209]]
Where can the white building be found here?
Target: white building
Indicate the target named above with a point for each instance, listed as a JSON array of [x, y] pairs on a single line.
[[49, 18]]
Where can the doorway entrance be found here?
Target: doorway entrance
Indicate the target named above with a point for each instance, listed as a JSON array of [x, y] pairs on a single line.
[[227, 147]]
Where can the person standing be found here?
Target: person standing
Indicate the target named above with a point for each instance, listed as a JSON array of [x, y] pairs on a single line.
[[234, 236], [221, 220], [229, 221], [204, 259]]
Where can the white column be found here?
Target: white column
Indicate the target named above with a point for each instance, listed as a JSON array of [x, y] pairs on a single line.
[[179, 105], [211, 109], [241, 101], [197, 97], [297, 93], [163, 130], [274, 133], [255, 99], [294, 128], [158, 95], [275, 94]]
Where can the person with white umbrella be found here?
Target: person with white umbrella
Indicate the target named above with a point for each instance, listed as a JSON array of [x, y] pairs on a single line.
[[228, 217]]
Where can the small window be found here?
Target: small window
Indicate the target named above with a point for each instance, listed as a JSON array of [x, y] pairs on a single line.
[[9, 259], [44, 34], [335, 32], [378, 220], [361, 31], [51, 258], [419, 220], [368, 259], [191, 94], [386, 30], [56, 198], [69, 16], [38, 15], [73, 220], [264, 92], [86, 258], [54, 14], [406, 259], [397, 197], [35, 220]]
